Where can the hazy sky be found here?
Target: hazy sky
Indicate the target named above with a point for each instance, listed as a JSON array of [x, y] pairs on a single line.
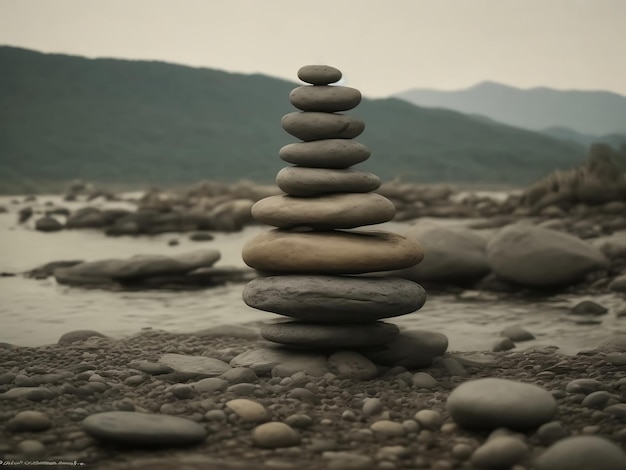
[[382, 46]]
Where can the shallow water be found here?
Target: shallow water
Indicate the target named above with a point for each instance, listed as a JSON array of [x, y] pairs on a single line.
[[38, 312]]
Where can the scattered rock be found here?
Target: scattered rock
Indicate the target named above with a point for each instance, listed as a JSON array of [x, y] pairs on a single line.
[[274, 435], [582, 453], [491, 403]]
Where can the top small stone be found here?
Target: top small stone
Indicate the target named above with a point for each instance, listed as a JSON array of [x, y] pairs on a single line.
[[319, 74]]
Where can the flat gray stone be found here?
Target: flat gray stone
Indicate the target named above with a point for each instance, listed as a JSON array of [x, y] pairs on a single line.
[[325, 212], [328, 99], [328, 153], [411, 349], [319, 335], [309, 125], [307, 182], [143, 429], [195, 365], [492, 403], [335, 299], [263, 360], [319, 74], [582, 453]]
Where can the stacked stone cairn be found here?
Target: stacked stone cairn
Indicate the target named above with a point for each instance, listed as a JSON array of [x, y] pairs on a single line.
[[316, 268]]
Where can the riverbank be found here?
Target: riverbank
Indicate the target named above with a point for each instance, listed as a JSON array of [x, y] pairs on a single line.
[[339, 420]]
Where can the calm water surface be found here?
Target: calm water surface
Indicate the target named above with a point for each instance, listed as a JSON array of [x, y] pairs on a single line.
[[38, 312]]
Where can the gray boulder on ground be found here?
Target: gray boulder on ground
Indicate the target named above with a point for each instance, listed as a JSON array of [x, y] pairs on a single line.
[[453, 255], [539, 257]]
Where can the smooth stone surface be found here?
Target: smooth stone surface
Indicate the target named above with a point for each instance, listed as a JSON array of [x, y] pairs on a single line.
[[325, 212], [29, 420], [582, 453], [334, 298], [309, 125], [319, 335], [328, 153], [492, 403], [307, 182], [500, 452], [129, 427], [335, 252], [263, 360], [275, 435], [249, 410], [411, 349], [319, 74], [517, 334], [195, 365], [535, 256], [327, 99], [453, 255]]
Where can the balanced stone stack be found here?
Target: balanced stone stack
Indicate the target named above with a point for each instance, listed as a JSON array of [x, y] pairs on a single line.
[[318, 270]]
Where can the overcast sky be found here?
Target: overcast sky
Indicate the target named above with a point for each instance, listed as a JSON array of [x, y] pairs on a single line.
[[382, 46]]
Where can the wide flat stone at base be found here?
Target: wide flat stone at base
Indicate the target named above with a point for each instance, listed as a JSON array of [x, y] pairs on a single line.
[[320, 335], [310, 126], [130, 427], [307, 182], [335, 299], [334, 252], [326, 212], [328, 153]]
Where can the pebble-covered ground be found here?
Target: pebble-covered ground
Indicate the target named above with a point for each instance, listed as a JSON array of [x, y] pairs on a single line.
[[50, 397]]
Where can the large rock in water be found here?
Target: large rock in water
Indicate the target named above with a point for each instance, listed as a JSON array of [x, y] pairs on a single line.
[[540, 257], [135, 268], [452, 255]]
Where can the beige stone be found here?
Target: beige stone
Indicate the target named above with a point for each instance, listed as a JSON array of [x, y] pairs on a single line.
[[334, 252], [329, 99], [310, 126], [301, 181], [326, 212]]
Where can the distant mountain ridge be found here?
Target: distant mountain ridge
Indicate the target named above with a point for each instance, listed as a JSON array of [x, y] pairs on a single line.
[[138, 122], [586, 112]]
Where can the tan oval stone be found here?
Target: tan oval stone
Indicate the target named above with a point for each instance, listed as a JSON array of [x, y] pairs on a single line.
[[302, 181], [334, 252], [329, 99], [319, 74], [329, 153], [325, 212], [310, 126]]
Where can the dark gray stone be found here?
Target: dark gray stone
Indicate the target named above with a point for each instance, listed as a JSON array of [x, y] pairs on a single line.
[[336, 299], [328, 99], [306, 182], [143, 429], [411, 349], [308, 126], [328, 153], [320, 335]]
